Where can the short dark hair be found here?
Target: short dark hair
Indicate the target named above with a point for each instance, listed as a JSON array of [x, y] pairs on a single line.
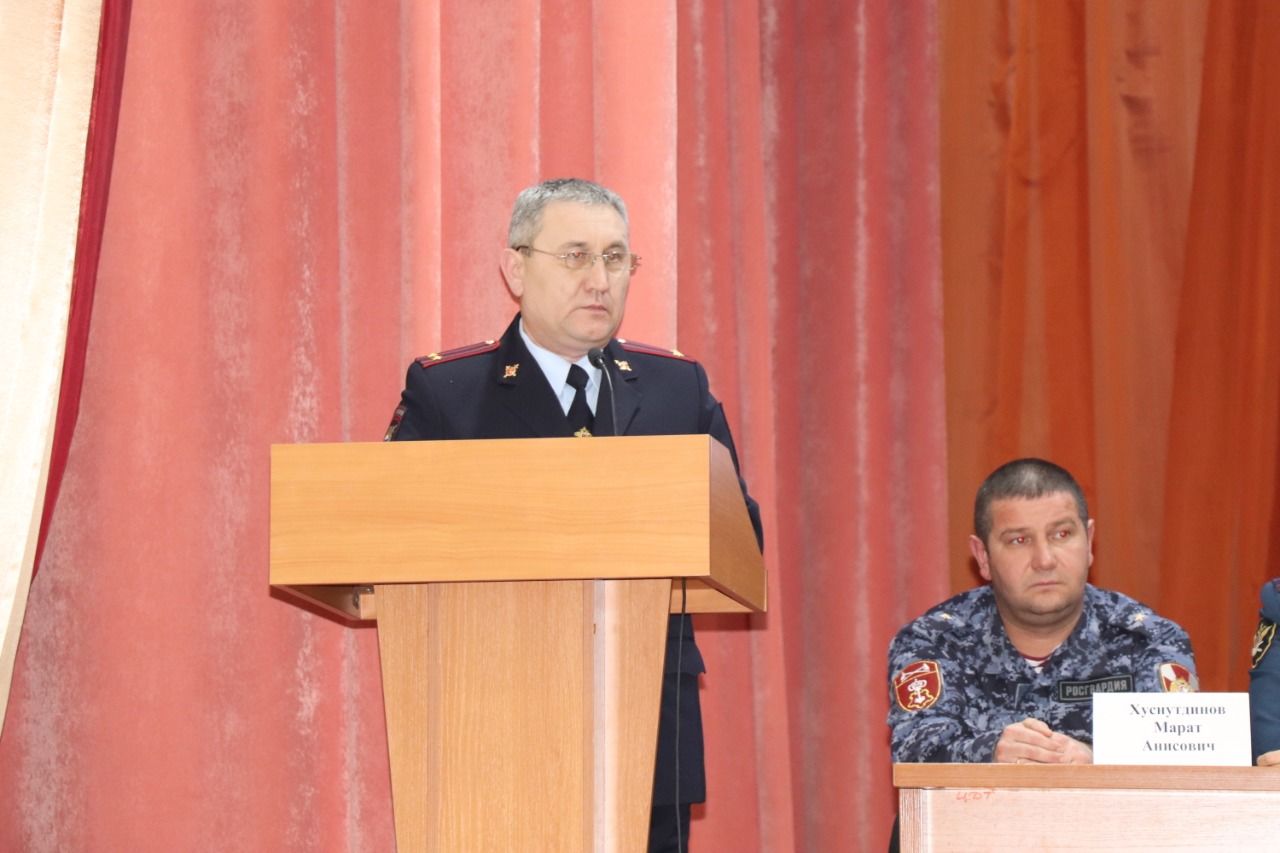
[[1023, 478], [526, 216]]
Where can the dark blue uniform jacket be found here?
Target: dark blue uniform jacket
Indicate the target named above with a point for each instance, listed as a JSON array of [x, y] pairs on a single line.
[[1264, 674], [470, 393]]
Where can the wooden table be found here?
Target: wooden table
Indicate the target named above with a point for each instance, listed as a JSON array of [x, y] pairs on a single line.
[[985, 807]]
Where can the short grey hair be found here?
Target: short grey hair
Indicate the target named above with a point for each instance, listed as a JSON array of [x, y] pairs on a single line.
[[526, 215], [1024, 478]]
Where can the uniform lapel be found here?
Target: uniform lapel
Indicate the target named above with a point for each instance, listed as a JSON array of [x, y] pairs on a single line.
[[524, 390], [626, 390]]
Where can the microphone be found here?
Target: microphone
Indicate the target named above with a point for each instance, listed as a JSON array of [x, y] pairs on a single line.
[[595, 355]]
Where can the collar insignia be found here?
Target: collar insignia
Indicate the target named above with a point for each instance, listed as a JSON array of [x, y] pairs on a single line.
[[509, 372], [583, 433], [623, 365]]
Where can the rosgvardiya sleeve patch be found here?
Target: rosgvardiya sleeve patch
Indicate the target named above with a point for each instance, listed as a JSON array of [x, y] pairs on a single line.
[[918, 685], [1262, 641], [1176, 678]]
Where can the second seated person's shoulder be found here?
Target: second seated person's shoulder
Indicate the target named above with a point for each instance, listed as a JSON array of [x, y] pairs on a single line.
[[1120, 613], [956, 623], [1271, 600], [1130, 634]]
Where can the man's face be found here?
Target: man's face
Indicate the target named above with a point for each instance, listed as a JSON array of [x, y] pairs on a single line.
[[1037, 558], [570, 311]]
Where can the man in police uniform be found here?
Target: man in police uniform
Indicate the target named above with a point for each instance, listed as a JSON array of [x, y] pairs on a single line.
[[1264, 681], [1005, 672], [568, 264]]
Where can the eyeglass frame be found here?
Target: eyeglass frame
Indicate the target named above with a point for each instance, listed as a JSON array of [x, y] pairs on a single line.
[[563, 258]]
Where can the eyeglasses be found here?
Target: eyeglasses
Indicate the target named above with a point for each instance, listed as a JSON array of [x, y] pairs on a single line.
[[614, 261]]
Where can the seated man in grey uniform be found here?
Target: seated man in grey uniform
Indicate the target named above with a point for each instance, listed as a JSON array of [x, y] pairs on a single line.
[[1005, 672]]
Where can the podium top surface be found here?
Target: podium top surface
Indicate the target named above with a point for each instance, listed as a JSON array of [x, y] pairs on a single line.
[[622, 507]]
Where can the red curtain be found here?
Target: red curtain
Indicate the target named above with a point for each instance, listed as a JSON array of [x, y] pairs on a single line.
[[307, 195], [1221, 524], [909, 241], [1109, 191], [104, 115]]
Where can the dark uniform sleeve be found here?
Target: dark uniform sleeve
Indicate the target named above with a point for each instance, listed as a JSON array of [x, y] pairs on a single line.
[[418, 415], [1264, 675], [714, 423], [931, 707]]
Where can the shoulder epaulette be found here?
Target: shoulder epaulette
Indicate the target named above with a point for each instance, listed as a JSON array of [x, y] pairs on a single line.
[[649, 349], [456, 353]]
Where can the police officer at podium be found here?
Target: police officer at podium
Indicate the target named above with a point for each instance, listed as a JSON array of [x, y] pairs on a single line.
[[568, 264]]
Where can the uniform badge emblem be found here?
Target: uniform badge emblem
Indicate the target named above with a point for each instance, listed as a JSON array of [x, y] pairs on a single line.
[[394, 426], [1262, 642], [624, 366], [433, 356], [1176, 678], [582, 433], [1139, 618], [918, 685], [510, 371]]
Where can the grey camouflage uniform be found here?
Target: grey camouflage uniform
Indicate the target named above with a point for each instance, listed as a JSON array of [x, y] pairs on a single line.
[[1119, 645]]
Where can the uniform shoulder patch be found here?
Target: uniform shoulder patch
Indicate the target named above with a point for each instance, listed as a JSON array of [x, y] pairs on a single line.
[[394, 426], [649, 349], [1176, 678], [456, 353], [918, 685], [1262, 641]]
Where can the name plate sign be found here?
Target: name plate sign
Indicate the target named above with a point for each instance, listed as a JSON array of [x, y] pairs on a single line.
[[1171, 728]]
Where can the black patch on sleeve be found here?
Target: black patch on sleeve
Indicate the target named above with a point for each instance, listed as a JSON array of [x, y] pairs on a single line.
[[1082, 691]]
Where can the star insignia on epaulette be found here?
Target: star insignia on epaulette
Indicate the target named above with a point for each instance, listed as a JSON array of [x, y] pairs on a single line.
[[583, 433], [945, 616], [510, 371], [623, 365], [1139, 618], [433, 356], [677, 353]]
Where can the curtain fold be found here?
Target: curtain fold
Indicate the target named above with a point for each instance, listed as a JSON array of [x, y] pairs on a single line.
[[1068, 140], [852, 235], [1108, 196], [104, 115], [1223, 491], [48, 54]]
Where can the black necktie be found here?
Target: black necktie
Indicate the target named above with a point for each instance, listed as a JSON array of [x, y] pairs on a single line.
[[580, 417]]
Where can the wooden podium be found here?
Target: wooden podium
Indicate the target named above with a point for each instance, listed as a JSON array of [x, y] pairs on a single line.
[[521, 589], [972, 807]]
